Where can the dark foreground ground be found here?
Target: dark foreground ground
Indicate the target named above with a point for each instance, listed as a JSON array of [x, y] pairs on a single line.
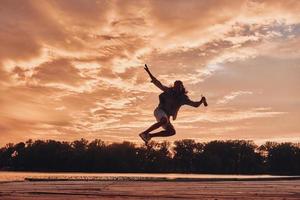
[[73, 190]]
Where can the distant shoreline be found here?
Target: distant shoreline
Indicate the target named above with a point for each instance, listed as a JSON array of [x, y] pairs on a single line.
[[8, 176], [135, 172], [168, 180]]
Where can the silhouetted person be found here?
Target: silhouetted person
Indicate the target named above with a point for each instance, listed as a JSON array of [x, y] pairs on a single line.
[[170, 101]]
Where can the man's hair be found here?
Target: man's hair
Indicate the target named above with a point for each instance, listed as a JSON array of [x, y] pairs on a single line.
[[184, 91]]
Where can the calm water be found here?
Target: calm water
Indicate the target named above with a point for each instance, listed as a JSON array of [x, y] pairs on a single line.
[[20, 176]]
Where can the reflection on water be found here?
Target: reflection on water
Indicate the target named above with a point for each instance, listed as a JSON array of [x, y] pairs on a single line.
[[20, 176]]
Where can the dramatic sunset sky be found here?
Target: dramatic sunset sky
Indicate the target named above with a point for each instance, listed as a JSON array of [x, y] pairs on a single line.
[[72, 69]]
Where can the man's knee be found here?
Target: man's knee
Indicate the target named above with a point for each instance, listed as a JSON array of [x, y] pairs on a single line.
[[171, 132], [163, 121]]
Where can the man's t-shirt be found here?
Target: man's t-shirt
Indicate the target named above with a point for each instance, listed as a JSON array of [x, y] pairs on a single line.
[[170, 102]]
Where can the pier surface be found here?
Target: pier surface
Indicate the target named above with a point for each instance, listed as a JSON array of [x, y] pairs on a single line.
[[73, 190]]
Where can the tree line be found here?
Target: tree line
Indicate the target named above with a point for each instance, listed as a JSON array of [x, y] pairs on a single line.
[[184, 156]]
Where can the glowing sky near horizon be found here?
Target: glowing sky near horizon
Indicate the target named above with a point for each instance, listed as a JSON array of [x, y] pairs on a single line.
[[74, 69]]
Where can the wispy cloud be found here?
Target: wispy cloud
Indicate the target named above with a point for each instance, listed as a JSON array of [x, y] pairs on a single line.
[[74, 69], [232, 96]]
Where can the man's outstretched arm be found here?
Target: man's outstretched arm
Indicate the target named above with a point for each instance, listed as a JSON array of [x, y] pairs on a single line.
[[154, 80], [196, 103]]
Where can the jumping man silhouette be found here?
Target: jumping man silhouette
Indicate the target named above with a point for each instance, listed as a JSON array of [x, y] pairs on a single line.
[[170, 101]]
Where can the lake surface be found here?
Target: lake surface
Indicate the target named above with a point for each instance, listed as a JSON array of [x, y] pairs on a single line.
[[36, 176]]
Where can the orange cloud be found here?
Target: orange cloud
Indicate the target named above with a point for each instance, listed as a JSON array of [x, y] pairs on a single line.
[[74, 69]]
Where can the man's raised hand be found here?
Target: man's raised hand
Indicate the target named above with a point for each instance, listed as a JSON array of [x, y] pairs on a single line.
[[148, 71], [146, 68], [203, 99]]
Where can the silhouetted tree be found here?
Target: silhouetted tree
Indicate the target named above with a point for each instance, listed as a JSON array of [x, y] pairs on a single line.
[[6, 156], [233, 156], [120, 157], [283, 158], [188, 156], [155, 157], [187, 153], [95, 155]]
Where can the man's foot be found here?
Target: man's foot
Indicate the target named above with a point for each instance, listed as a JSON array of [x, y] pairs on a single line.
[[203, 99], [145, 137]]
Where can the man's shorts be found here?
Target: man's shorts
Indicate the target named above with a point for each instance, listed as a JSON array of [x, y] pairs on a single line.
[[159, 114]]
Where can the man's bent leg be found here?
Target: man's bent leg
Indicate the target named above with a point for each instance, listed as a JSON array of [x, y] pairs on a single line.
[[156, 125], [166, 133]]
